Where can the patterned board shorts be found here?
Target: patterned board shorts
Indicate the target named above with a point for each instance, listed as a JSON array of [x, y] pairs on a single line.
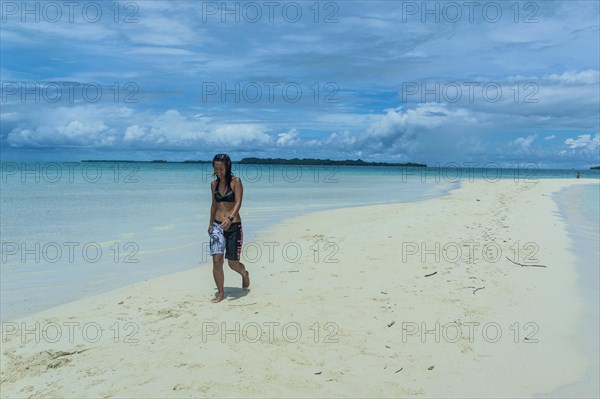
[[227, 242]]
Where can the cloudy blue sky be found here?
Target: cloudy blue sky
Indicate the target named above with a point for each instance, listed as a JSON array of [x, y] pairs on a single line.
[[507, 82]]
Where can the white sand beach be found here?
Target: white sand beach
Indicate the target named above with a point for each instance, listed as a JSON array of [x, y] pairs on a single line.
[[341, 304]]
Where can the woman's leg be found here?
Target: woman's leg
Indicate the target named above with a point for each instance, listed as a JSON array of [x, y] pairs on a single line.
[[241, 269], [219, 277], [235, 237]]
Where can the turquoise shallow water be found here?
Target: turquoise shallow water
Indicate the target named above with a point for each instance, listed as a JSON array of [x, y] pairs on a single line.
[[70, 230], [580, 207]]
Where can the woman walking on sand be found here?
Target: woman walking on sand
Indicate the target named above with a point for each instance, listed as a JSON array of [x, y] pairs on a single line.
[[225, 225]]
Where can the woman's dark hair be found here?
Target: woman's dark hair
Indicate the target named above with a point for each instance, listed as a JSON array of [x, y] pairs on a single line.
[[227, 161]]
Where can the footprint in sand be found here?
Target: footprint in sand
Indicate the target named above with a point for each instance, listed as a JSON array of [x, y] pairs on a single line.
[[164, 314]]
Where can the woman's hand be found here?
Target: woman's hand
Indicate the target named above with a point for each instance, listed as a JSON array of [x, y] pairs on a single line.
[[225, 224]]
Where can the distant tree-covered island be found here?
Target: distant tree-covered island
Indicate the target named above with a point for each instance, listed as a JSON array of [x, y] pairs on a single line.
[[312, 161], [282, 161], [127, 160], [595, 167]]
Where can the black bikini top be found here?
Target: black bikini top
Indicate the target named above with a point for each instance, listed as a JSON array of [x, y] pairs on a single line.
[[229, 194]]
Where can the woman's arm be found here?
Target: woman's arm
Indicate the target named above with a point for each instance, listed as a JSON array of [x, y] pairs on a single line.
[[213, 206], [238, 190]]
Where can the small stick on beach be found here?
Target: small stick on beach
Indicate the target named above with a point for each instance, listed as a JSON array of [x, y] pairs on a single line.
[[430, 274], [520, 264], [58, 354], [477, 289]]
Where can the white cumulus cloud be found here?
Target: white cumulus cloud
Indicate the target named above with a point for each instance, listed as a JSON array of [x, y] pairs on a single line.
[[585, 141]]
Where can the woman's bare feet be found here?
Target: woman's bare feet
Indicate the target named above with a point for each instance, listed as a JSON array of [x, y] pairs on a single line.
[[246, 280], [217, 298]]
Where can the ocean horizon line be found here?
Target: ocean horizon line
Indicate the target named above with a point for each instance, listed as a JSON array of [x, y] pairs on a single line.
[[321, 162]]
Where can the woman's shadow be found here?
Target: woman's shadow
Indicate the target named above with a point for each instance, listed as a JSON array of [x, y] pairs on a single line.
[[235, 293]]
